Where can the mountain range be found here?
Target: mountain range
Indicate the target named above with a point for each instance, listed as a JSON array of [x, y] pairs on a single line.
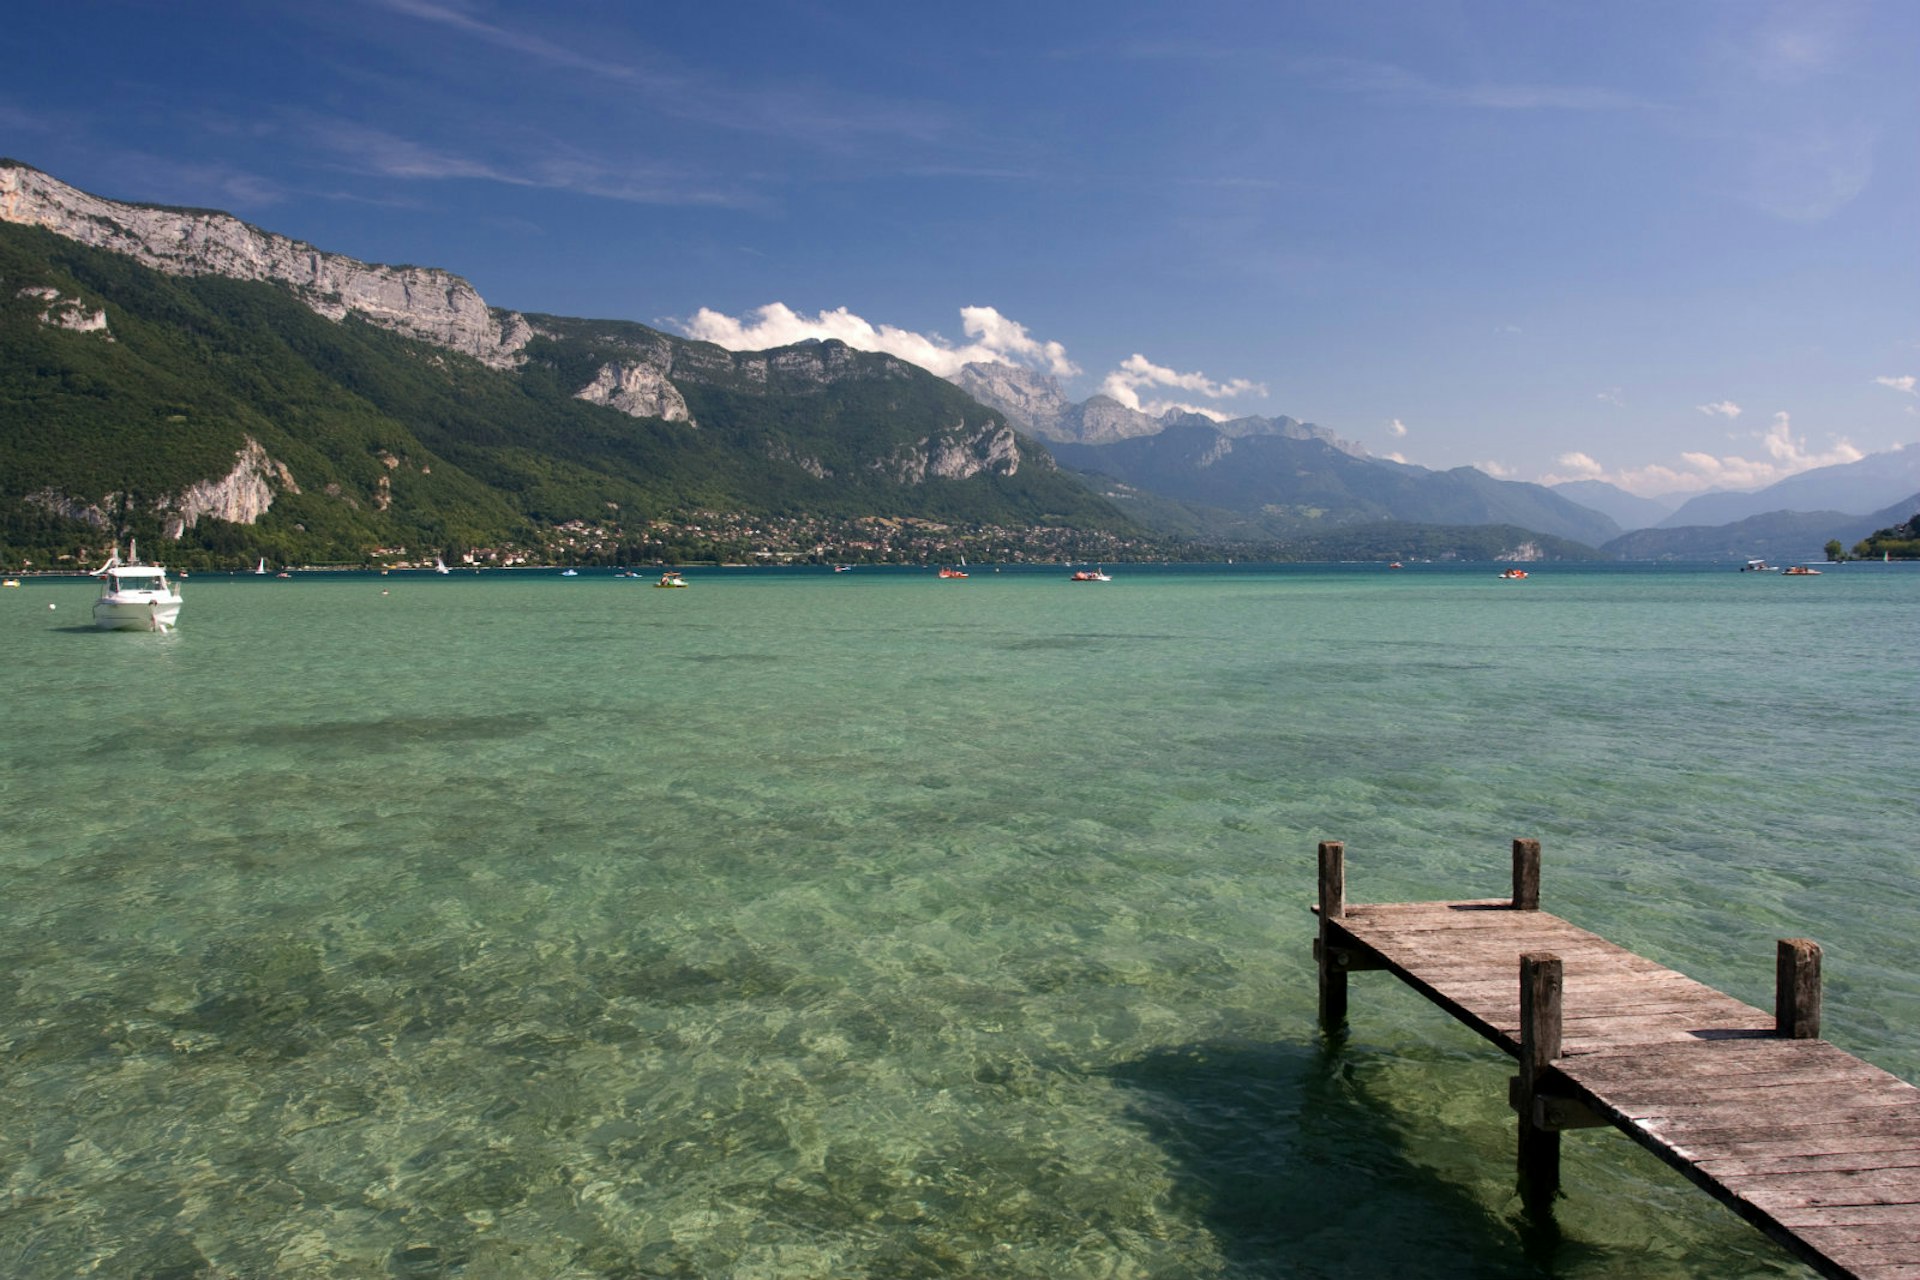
[[179, 373], [1854, 487]]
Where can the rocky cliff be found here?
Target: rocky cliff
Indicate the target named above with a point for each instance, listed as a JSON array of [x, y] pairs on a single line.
[[421, 302], [241, 496]]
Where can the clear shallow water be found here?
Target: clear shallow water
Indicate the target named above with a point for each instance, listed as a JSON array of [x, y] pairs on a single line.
[[870, 925]]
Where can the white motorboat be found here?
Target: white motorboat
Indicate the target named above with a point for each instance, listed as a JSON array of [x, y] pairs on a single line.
[[135, 596]]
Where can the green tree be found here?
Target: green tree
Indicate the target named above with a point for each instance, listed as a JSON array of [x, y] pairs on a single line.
[[1835, 551]]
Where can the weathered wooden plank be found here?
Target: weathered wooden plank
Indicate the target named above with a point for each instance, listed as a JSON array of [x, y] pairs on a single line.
[[1891, 1239], [1900, 1153], [1802, 1092], [1866, 1098], [1769, 1145], [1828, 1188], [1766, 1054], [1852, 1215], [1755, 1059], [1760, 1138]]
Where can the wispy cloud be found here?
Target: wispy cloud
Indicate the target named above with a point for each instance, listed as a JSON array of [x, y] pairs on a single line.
[[820, 117], [1720, 409], [995, 338], [1789, 123], [1391, 81], [1906, 383], [546, 165], [1612, 396], [1137, 373], [1397, 429]]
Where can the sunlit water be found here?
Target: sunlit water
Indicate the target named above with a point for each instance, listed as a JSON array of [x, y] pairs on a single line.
[[873, 925]]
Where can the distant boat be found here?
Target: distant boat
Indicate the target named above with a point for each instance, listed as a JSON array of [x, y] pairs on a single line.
[[1092, 575], [440, 565], [946, 572], [1756, 566], [134, 596], [1513, 573], [1801, 571], [260, 570], [843, 568], [10, 582], [671, 578], [1396, 565], [569, 573]]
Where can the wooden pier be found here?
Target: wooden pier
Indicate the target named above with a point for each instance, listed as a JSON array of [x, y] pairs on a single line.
[[1815, 1147]]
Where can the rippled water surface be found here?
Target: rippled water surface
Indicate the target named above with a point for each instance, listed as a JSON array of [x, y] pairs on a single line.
[[873, 925]]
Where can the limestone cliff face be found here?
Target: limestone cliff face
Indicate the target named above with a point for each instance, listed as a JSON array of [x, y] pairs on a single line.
[[69, 313], [637, 389], [421, 302], [955, 454], [241, 496]]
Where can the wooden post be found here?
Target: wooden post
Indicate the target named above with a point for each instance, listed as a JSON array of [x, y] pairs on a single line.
[[1796, 989], [1540, 990], [1333, 905], [1526, 875]]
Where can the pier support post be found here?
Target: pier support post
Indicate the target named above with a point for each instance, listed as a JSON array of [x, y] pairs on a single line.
[[1541, 978], [1526, 875], [1796, 989], [1333, 905]]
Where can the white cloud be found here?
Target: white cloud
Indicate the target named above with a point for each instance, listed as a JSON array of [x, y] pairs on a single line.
[[1498, 470], [1611, 395], [997, 333], [1720, 408], [1136, 372], [997, 340], [1578, 467], [1906, 384], [1785, 455], [1397, 429]]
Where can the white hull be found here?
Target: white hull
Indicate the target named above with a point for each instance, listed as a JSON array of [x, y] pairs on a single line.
[[110, 614], [135, 596]]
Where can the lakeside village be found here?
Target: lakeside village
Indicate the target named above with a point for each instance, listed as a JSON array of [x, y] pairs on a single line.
[[704, 537]]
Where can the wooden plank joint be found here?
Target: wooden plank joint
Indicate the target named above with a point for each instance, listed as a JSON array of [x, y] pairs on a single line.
[[1347, 959], [1556, 1112]]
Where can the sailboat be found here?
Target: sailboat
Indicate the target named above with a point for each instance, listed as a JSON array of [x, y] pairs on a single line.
[[440, 565], [260, 570]]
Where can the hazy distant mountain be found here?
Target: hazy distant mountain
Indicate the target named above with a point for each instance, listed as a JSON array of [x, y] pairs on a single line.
[[1852, 487], [1628, 510], [1309, 482], [1034, 403], [1784, 537]]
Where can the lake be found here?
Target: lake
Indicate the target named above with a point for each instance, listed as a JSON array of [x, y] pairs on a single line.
[[801, 924]]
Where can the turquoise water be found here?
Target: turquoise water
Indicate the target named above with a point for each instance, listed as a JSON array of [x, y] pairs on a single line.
[[871, 925]]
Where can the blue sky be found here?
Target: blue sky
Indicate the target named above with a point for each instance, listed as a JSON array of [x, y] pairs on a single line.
[[1674, 245]]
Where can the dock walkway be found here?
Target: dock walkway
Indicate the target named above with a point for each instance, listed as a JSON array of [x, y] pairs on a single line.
[[1814, 1146]]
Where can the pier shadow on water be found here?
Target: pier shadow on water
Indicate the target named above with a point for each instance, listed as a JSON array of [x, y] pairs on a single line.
[[1299, 1169]]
